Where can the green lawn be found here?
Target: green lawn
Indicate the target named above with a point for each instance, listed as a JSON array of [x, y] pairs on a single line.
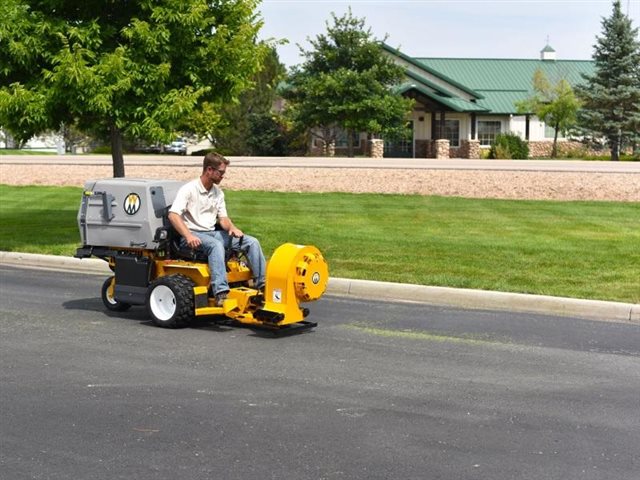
[[15, 151], [575, 249]]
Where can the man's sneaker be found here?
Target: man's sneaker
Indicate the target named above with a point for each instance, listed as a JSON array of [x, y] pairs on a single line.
[[220, 298]]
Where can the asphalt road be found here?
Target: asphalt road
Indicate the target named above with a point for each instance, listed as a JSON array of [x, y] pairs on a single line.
[[378, 391]]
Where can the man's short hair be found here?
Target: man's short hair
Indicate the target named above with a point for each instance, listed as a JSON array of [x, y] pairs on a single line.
[[213, 159]]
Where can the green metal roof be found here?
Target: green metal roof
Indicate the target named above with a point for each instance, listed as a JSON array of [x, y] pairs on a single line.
[[503, 101], [456, 104], [420, 79], [502, 82], [426, 68], [505, 74]]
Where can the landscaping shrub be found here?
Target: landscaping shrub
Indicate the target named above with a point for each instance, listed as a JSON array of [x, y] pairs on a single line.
[[509, 146], [104, 149]]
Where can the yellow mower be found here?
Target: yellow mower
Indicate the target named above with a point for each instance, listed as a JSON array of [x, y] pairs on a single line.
[[124, 222]]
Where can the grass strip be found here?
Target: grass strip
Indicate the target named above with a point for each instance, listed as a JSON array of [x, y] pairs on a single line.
[[573, 249], [15, 151]]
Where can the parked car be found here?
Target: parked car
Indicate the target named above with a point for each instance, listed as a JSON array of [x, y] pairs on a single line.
[[178, 147], [145, 148]]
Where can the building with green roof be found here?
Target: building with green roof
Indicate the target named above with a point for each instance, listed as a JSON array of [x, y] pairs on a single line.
[[468, 101]]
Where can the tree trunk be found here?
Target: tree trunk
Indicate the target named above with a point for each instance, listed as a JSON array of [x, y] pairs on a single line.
[[350, 143], [554, 149], [116, 152], [615, 148]]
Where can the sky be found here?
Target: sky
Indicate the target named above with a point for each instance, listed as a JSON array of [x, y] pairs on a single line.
[[453, 28]]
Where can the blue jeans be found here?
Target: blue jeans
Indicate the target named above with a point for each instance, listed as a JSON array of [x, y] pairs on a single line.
[[213, 246]]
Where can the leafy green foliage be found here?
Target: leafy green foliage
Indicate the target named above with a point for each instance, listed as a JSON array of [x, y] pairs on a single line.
[[612, 94], [231, 131], [265, 136], [273, 135], [554, 104], [122, 68], [509, 146], [346, 82]]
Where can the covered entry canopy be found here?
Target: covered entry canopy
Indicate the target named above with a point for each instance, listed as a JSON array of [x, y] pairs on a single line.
[[436, 101]]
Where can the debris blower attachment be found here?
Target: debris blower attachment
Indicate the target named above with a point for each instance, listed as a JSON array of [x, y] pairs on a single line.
[[123, 221]]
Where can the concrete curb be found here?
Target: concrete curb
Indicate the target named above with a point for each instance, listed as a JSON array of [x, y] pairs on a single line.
[[366, 289], [488, 300], [54, 262]]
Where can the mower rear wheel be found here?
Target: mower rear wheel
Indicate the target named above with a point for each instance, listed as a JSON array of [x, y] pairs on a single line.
[[107, 297], [170, 301]]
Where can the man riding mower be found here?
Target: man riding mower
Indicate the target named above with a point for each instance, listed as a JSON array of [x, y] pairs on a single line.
[[124, 222]]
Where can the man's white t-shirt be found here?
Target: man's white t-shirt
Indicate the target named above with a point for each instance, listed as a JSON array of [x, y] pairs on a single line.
[[200, 208]]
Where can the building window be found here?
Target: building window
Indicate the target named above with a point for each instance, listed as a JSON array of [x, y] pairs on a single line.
[[452, 132], [549, 131], [487, 131], [342, 139]]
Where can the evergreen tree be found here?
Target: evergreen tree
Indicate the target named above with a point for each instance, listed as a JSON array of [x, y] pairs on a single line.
[[346, 82], [612, 94]]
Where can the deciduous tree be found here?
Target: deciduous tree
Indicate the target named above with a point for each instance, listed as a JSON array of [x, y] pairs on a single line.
[[121, 67], [554, 104], [347, 81], [231, 134]]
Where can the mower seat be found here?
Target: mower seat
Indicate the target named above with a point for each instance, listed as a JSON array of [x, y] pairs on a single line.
[[178, 250], [171, 241]]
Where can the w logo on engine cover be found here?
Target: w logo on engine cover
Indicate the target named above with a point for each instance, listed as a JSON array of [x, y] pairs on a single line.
[[132, 204]]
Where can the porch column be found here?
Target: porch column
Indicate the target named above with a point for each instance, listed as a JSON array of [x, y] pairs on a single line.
[[434, 125], [442, 149], [376, 148], [474, 135], [441, 132]]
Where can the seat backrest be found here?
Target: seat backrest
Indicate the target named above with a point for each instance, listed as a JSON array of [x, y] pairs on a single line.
[[173, 242]]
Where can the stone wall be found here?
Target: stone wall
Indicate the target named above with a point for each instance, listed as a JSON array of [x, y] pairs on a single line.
[[440, 149], [469, 149], [542, 149]]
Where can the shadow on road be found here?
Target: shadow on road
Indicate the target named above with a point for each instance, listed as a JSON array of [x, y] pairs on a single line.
[[218, 324]]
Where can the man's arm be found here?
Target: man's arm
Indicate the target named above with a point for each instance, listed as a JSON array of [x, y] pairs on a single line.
[[227, 224], [181, 227]]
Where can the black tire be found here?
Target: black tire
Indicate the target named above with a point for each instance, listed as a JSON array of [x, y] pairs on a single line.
[[107, 297], [170, 301]]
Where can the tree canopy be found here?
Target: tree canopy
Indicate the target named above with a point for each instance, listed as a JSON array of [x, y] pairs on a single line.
[[612, 94], [347, 81], [232, 134], [122, 68], [554, 104]]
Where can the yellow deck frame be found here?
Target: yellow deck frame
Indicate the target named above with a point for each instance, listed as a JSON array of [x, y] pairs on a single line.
[[295, 274]]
